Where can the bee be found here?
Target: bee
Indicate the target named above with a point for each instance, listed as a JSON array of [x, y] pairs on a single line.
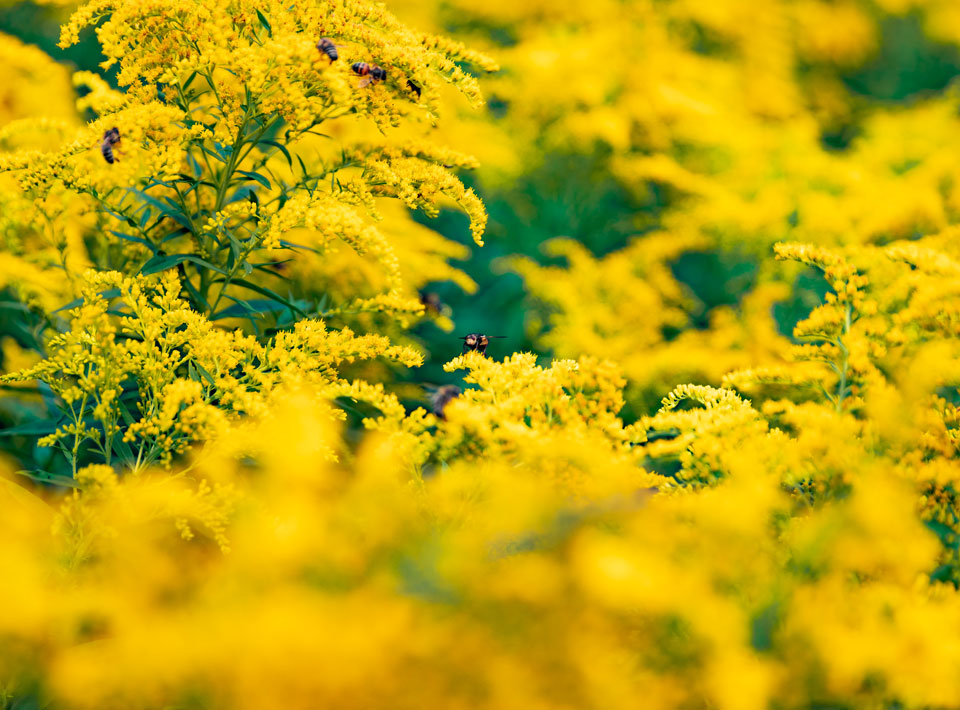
[[433, 305], [110, 139], [327, 46], [441, 398], [414, 88], [478, 342], [369, 73]]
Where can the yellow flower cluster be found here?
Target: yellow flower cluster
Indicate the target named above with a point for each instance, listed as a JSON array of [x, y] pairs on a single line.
[[39, 238], [259, 517], [215, 156], [142, 376], [629, 307], [737, 594], [729, 125], [558, 422]]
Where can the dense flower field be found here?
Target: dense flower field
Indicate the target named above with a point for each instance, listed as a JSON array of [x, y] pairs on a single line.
[[264, 447]]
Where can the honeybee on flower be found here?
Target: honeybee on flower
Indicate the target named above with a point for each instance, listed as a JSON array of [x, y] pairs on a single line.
[[111, 138], [369, 73], [327, 46]]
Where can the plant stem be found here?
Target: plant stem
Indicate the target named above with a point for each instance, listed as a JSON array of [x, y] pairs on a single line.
[[841, 388], [232, 164]]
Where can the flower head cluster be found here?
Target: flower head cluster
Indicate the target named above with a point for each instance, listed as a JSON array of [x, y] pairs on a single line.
[[141, 376], [781, 532]]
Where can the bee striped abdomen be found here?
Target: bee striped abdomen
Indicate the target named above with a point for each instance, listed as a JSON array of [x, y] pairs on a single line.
[[370, 72], [327, 46], [110, 139]]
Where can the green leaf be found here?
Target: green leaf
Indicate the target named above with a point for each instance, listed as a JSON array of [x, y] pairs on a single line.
[[122, 449], [945, 533], [38, 428], [174, 234], [269, 294], [266, 25], [215, 155], [167, 261], [206, 375], [293, 247], [317, 133], [243, 193], [109, 293], [174, 212], [162, 263], [225, 151], [138, 240], [119, 215], [186, 84], [19, 389], [235, 249], [194, 293], [206, 264], [281, 148], [194, 165], [256, 176], [51, 478], [158, 182], [255, 306], [269, 266]]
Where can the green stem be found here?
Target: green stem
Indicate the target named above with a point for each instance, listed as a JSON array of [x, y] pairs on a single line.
[[842, 386], [229, 277], [77, 422], [232, 164]]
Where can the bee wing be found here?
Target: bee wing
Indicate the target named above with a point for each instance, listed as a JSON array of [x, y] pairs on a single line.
[[365, 81]]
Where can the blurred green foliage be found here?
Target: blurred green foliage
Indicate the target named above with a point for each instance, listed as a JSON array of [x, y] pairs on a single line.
[[40, 25]]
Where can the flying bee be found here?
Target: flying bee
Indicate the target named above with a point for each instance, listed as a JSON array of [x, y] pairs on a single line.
[[433, 305], [110, 139], [327, 46], [478, 342], [441, 398], [369, 73]]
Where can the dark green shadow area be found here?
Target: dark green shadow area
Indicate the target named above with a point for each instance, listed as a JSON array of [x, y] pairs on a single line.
[[40, 25], [907, 66]]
